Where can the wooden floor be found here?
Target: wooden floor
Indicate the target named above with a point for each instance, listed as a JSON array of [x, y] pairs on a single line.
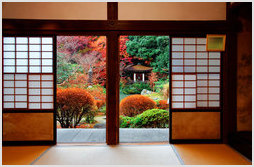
[[188, 154]]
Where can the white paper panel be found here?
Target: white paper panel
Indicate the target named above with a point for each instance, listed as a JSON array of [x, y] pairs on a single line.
[[34, 55], [47, 69], [34, 98], [190, 84], [214, 54], [8, 83], [20, 105], [9, 61], [201, 40], [34, 47], [35, 69], [47, 98], [214, 69], [47, 84], [22, 69], [8, 98], [189, 40], [34, 105], [190, 69], [47, 62], [47, 40], [34, 40], [8, 90], [214, 97], [20, 83], [177, 69], [34, 77], [34, 84], [177, 105], [47, 105], [47, 92], [47, 55], [9, 54], [20, 98], [9, 40], [177, 91], [214, 104], [214, 76], [20, 77], [8, 105], [8, 76], [177, 98], [189, 62], [22, 47], [177, 40], [202, 76], [202, 97], [202, 55], [189, 47], [189, 55], [177, 84], [20, 90], [201, 47], [202, 90], [177, 62], [47, 77], [35, 62], [177, 47], [47, 48], [22, 62], [201, 104], [202, 69], [177, 77], [190, 98], [34, 91], [201, 83], [214, 62], [189, 91], [190, 105], [190, 77], [201, 62], [9, 47], [21, 40], [22, 54], [214, 83], [214, 90], [9, 69]]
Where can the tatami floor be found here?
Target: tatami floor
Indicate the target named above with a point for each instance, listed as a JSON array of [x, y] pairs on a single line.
[[127, 154]]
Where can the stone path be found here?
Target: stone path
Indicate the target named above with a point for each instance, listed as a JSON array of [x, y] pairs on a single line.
[[127, 135]]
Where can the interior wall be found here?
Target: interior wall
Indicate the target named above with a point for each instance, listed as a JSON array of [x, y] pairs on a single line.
[[55, 10], [172, 10], [244, 76]]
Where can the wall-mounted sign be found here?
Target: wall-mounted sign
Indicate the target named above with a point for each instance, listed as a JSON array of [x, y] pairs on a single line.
[[215, 42]]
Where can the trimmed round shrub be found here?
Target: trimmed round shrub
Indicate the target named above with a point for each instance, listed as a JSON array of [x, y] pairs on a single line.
[[72, 105], [154, 118], [163, 104], [136, 104]]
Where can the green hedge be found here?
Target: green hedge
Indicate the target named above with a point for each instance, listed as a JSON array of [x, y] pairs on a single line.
[[154, 118], [135, 88]]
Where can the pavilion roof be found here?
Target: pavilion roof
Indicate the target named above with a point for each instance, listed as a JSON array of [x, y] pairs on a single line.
[[138, 68]]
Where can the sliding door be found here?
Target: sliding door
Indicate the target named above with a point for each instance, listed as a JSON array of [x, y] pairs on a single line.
[[28, 85], [195, 96]]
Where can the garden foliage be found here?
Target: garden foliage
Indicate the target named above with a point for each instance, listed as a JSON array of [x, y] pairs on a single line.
[[153, 118], [72, 105], [135, 88], [136, 104]]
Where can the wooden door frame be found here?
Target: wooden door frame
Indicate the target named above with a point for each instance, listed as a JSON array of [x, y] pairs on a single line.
[[112, 28]]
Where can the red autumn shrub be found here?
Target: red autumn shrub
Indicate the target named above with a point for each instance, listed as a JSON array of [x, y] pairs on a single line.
[[136, 104], [163, 104], [72, 105], [99, 103]]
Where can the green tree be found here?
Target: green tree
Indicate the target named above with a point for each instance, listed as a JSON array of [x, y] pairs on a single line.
[[153, 50]]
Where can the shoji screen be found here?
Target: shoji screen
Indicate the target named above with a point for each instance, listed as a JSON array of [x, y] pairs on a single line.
[[28, 88], [195, 90]]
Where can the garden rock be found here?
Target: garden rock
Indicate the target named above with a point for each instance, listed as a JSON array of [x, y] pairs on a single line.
[[145, 92]]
